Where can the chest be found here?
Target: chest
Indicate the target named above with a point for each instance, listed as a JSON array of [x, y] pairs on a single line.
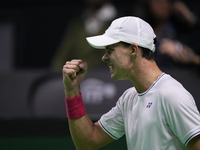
[[144, 117]]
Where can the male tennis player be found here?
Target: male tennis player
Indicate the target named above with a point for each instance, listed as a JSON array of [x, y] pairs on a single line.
[[156, 114]]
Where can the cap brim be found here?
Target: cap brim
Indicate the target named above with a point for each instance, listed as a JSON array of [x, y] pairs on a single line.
[[101, 41]]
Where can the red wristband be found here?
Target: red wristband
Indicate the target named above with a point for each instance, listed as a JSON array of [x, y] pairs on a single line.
[[75, 107]]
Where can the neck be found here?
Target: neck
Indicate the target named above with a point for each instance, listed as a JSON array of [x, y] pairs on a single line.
[[145, 74]]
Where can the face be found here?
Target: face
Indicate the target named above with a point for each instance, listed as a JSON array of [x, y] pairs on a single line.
[[119, 61]]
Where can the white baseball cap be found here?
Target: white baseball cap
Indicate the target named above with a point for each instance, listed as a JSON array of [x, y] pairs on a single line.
[[125, 29]]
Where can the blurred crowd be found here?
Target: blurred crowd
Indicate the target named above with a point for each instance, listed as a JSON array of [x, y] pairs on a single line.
[[172, 20], [93, 21]]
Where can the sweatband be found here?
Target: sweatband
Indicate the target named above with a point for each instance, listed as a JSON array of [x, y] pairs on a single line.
[[75, 107]]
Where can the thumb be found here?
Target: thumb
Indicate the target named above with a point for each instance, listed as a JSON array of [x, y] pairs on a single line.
[[83, 70], [83, 66]]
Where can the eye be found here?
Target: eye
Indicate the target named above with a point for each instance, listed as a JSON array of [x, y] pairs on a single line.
[[109, 50]]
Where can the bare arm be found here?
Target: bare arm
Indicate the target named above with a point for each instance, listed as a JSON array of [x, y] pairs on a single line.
[[88, 135], [194, 143], [85, 134]]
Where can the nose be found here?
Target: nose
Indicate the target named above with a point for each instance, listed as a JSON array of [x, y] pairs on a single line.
[[105, 58]]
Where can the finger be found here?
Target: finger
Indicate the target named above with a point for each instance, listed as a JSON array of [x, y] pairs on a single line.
[[72, 65], [76, 61], [69, 72]]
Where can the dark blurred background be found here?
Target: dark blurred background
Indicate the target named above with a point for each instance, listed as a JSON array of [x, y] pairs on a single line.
[[32, 108], [37, 27]]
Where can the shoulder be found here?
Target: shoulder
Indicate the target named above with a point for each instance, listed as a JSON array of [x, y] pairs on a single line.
[[169, 87], [131, 92], [128, 95], [172, 93]]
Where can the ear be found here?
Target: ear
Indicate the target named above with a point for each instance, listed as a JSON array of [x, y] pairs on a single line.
[[134, 48]]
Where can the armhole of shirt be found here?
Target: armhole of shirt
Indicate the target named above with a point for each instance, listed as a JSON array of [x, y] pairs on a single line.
[[110, 134]]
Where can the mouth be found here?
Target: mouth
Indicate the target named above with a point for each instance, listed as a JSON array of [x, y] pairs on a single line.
[[111, 68]]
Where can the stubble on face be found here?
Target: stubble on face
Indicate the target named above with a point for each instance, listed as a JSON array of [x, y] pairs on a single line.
[[119, 62]]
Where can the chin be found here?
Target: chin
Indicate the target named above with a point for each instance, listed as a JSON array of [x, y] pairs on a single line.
[[114, 77]]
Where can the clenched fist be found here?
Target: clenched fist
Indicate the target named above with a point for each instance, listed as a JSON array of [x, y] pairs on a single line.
[[74, 72]]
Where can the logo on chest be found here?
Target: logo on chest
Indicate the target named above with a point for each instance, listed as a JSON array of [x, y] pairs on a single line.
[[149, 105]]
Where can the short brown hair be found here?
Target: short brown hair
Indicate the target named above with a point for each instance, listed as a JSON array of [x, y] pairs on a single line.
[[146, 53]]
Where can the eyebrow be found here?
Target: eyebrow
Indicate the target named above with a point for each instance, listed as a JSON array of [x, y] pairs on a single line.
[[109, 48], [112, 46]]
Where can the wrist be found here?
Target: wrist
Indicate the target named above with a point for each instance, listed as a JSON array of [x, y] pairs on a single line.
[[72, 93], [75, 107]]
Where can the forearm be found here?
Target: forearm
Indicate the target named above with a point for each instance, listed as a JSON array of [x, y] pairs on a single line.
[[82, 131], [81, 126], [85, 134]]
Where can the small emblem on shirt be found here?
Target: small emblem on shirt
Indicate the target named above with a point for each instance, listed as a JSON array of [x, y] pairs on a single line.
[[149, 105]]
